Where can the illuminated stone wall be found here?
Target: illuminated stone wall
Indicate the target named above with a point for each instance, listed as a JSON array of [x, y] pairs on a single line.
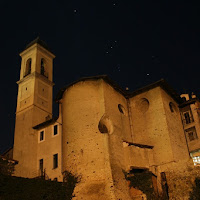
[[116, 110], [150, 125], [98, 120], [26, 141], [175, 128], [88, 152]]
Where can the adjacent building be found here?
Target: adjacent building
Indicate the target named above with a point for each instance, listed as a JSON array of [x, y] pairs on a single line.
[[190, 113]]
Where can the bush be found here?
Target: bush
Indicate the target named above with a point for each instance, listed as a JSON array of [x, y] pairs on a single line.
[[6, 167], [70, 181], [195, 194], [142, 181], [15, 188]]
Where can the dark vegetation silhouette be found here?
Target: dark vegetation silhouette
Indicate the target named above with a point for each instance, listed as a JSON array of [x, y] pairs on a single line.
[[15, 188], [195, 193]]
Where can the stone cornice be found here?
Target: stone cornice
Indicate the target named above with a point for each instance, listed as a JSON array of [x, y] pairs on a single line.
[[36, 74]]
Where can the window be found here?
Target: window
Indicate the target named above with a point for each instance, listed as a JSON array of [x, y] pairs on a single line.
[[42, 67], [196, 160], [41, 135], [43, 70], [184, 99], [55, 161], [121, 109], [172, 107], [55, 130], [192, 134], [41, 166], [143, 105], [187, 117], [28, 67]]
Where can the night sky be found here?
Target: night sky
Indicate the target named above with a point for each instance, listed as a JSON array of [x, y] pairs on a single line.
[[134, 42]]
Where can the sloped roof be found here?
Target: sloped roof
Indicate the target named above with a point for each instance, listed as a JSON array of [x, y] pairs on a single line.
[[45, 124], [162, 83], [104, 77], [7, 150], [40, 42]]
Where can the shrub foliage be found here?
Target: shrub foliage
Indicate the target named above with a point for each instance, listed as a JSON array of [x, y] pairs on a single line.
[[195, 194], [143, 182], [15, 188], [6, 167]]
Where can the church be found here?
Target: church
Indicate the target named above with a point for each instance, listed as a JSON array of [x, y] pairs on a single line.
[[102, 131]]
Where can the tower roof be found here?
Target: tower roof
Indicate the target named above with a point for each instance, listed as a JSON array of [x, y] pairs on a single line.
[[40, 42]]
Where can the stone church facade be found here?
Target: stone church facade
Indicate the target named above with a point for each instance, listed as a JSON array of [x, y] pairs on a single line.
[[102, 130]]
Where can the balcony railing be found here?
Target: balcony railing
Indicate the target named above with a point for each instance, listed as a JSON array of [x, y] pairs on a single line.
[[41, 174]]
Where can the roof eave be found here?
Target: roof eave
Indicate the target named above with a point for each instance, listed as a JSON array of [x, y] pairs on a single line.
[[161, 83], [45, 124]]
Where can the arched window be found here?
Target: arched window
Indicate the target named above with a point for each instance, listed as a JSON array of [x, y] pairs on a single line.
[[184, 99], [172, 107], [143, 105], [121, 109], [28, 67], [42, 72]]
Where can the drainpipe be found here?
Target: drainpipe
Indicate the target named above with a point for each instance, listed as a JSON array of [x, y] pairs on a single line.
[[130, 118], [61, 132]]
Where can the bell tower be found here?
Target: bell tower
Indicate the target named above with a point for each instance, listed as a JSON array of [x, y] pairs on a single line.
[[35, 84], [34, 103]]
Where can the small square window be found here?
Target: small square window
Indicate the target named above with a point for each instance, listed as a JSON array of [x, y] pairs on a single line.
[[55, 161], [41, 135], [192, 136], [196, 160], [191, 133], [55, 130]]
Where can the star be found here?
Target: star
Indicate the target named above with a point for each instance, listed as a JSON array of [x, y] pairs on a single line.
[[147, 74], [75, 10], [111, 47], [118, 67]]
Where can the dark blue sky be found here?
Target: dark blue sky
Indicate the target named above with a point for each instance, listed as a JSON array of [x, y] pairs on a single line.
[[134, 42]]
